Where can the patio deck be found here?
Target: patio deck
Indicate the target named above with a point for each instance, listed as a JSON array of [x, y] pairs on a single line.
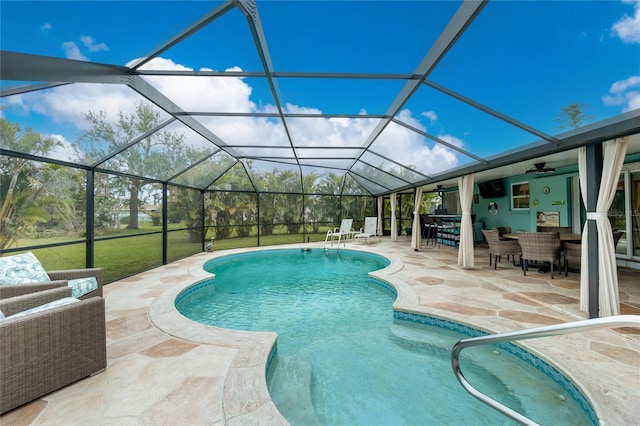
[[165, 369]]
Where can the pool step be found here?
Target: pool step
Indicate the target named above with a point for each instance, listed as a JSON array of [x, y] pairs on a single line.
[[295, 374]]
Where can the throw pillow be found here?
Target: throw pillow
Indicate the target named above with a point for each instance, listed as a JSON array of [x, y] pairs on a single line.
[[22, 268]]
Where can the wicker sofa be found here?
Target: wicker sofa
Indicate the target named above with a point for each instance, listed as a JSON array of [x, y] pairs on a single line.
[[23, 273], [46, 350], [58, 279]]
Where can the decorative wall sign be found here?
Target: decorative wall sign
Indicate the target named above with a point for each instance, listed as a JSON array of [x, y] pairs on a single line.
[[548, 218], [546, 190]]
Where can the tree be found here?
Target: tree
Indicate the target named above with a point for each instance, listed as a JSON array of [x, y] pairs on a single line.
[[573, 116], [65, 197], [153, 156], [189, 202], [22, 181]]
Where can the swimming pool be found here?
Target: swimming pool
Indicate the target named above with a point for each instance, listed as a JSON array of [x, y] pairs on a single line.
[[342, 357]]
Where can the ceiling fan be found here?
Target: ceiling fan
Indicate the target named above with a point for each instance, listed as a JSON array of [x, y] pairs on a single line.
[[540, 169]]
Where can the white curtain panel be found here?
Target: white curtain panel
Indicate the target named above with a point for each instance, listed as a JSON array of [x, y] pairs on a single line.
[[608, 298], [394, 226], [465, 249], [380, 224], [584, 258], [416, 231]]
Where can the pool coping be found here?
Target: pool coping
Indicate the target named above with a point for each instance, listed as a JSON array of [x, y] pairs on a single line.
[[246, 397]]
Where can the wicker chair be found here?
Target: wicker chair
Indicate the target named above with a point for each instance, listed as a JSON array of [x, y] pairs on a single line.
[[541, 247], [499, 247], [558, 229], [58, 279], [503, 230], [47, 350], [573, 251]]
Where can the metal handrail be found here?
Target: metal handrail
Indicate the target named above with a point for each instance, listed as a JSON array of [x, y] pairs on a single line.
[[532, 333]]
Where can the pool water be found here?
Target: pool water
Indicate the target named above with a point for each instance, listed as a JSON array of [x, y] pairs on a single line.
[[342, 358]]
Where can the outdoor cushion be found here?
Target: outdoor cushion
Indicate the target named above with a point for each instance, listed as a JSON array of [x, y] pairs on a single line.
[[22, 268], [1, 315], [50, 305], [82, 286]]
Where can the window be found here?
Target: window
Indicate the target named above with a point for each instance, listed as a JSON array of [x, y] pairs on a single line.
[[520, 196]]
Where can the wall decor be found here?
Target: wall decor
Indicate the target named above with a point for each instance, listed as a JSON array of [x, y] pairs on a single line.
[[493, 208], [548, 218]]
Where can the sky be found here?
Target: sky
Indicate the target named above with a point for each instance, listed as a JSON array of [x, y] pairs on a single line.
[[524, 59]]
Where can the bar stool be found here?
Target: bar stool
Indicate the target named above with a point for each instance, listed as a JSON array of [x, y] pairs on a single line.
[[439, 225], [430, 229]]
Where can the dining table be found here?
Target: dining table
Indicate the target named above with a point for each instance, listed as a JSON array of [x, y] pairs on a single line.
[[564, 237]]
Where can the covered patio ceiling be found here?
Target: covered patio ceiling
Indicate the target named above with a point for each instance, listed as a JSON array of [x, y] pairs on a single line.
[[391, 95]]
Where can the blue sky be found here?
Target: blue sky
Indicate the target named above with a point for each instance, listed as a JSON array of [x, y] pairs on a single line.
[[525, 59]]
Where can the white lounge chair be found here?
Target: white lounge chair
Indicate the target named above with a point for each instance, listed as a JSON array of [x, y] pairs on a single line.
[[370, 229], [342, 234]]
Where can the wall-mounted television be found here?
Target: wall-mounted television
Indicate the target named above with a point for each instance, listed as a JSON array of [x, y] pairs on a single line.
[[492, 188]]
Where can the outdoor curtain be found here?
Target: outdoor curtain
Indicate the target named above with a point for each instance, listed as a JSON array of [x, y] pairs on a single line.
[[416, 232], [465, 249], [380, 224], [394, 225], [613, 159]]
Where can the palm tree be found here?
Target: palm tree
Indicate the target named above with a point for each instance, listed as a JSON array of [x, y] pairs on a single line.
[[22, 181]]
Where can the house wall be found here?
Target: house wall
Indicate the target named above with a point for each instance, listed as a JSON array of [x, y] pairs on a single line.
[[558, 199]]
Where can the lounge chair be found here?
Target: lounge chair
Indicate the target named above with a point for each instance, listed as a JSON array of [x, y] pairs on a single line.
[[342, 234], [370, 229], [49, 340], [23, 274]]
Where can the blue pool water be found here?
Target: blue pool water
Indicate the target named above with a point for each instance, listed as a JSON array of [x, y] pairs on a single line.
[[342, 358]]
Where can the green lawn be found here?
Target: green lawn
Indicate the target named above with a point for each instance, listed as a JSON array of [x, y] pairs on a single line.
[[123, 257]]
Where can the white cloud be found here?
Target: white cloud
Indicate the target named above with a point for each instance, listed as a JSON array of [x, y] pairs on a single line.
[[409, 148], [219, 94], [624, 92], [68, 104], [627, 28], [67, 150], [431, 115], [46, 26], [72, 51], [90, 44]]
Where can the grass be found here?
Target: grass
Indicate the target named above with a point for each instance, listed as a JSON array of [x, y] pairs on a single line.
[[127, 256]]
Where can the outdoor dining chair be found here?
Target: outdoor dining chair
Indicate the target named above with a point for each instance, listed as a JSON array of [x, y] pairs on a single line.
[[541, 247], [500, 247], [573, 251]]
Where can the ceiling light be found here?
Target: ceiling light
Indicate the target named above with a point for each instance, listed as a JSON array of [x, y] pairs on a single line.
[[540, 169]]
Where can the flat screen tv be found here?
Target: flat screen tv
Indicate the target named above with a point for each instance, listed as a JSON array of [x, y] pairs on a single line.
[[492, 189]]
